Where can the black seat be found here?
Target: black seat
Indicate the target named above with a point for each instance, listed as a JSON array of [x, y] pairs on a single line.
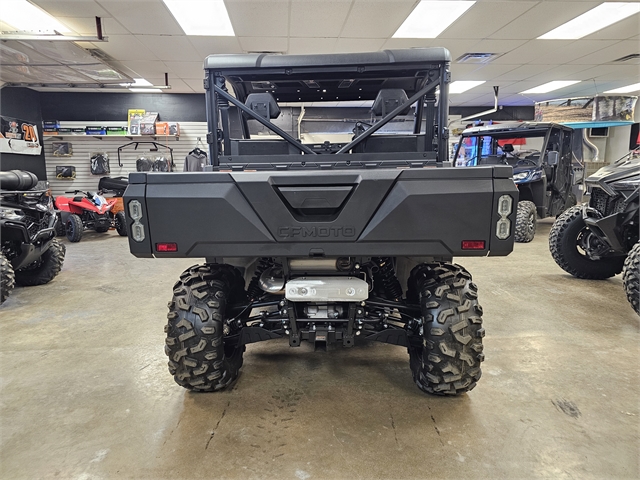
[[388, 99], [263, 104], [507, 148]]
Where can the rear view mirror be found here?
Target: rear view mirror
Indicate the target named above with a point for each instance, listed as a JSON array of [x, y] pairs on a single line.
[[552, 157]]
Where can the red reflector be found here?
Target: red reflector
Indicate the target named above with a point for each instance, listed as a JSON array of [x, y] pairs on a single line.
[[473, 245], [166, 247]]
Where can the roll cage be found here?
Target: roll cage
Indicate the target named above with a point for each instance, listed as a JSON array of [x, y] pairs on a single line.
[[329, 77]]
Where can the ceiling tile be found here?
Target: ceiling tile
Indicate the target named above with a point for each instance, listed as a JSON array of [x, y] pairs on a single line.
[[545, 16], [376, 18], [311, 18], [524, 72], [125, 47], [206, 46], [530, 51], [147, 68], [187, 69], [196, 85], [143, 16], [264, 44], [87, 26], [480, 21], [569, 52], [610, 53], [622, 30], [352, 45], [411, 43], [169, 47], [253, 18], [311, 45], [71, 8]]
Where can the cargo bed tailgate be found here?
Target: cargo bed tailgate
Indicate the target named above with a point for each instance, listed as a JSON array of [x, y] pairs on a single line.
[[386, 212]]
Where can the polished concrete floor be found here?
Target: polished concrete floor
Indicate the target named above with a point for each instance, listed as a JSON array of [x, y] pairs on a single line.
[[85, 392]]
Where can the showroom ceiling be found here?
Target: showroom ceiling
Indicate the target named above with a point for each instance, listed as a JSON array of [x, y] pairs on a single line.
[[144, 37]]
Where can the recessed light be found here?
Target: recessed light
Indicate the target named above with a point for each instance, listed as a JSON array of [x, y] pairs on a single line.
[[145, 90], [460, 86], [551, 86], [201, 17], [25, 16], [431, 17], [628, 89], [595, 19]]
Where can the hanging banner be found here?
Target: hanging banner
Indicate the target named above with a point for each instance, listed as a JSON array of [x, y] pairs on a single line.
[[606, 108], [19, 136]]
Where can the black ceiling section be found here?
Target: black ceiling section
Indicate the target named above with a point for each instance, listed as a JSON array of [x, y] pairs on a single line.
[[69, 106]]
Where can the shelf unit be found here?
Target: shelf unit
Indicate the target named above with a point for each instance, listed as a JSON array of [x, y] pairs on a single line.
[[100, 137]]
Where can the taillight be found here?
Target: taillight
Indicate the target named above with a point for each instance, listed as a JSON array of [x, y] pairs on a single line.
[[473, 244], [166, 247], [505, 207]]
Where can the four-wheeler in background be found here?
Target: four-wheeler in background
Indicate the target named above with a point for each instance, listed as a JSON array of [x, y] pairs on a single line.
[[600, 239], [329, 241], [31, 255], [546, 169], [89, 210]]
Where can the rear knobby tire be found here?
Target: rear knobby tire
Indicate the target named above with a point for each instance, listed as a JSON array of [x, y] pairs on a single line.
[[564, 240], [121, 224], [60, 228], [199, 357], [74, 228], [448, 361], [631, 277], [525, 222], [7, 278], [45, 269]]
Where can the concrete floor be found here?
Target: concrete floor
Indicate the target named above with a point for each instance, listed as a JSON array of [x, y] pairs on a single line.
[[85, 392]]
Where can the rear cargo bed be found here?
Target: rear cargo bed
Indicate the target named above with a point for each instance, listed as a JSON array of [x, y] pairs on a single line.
[[390, 212]]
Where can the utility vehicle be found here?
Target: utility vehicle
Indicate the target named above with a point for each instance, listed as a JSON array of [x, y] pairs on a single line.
[[600, 239], [547, 172], [31, 255], [325, 242]]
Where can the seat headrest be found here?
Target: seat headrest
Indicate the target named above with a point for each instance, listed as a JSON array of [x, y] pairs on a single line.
[[263, 104], [388, 99], [507, 147]]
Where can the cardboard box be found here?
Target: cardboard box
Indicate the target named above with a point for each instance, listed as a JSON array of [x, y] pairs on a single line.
[[116, 130], [148, 123], [162, 128], [134, 116]]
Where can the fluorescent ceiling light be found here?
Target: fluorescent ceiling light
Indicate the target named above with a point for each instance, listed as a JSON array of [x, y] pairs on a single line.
[[145, 90], [595, 19], [137, 82], [431, 17], [628, 89], [201, 17], [460, 86], [551, 86], [26, 17]]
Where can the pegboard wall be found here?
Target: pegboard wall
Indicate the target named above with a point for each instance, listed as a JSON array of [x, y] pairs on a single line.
[[84, 145]]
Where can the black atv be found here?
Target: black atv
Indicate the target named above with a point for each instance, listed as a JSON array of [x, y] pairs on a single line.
[[31, 255], [600, 239]]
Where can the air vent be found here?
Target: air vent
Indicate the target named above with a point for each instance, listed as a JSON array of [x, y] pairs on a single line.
[[477, 57], [626, 58]]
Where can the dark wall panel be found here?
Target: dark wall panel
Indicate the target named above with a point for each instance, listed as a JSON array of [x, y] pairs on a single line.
[[24, 104], [98, 107]]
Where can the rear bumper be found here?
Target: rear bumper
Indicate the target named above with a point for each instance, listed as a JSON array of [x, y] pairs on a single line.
[[385, 212]]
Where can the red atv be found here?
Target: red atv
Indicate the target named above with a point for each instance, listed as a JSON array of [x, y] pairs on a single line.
[[91, 210]]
